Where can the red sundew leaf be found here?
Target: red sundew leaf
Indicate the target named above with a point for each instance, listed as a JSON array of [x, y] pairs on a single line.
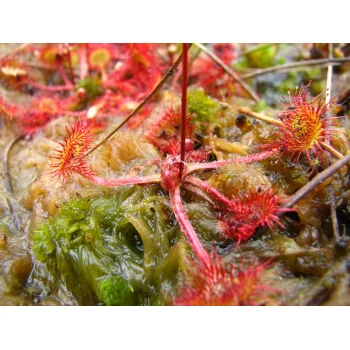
[[226, 52], [164, 134], [71, 157], [11, 110], [135, 74], [100, 55], [28, 119], [305, 125], [247, 213], [221, 285]]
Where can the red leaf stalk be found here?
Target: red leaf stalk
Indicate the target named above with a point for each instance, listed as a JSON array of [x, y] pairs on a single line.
[[187, 228], [217, 164]]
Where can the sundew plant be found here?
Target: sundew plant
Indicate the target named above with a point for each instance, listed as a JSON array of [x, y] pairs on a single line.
[[174, 174]]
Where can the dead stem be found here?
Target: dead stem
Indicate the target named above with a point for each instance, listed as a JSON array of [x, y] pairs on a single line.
[[316, 181], [333, 208], [190, 62], [7, 179], [331, 192], [169, 73], [306, 63], [230, 72], [331, 150], [259, 116]]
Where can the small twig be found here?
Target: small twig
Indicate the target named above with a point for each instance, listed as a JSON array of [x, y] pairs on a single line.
[[193, 58], [329, 75], [331, 150], [331, 193], [333, 208], [332, 61], [169, 73], [262, 117], [230, 72], [7, 178], [7, 175], [316, 181], [14, 51]]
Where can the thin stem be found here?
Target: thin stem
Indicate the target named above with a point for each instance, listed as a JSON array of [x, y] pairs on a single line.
[[230, 72], [169, 73], [7, 179], [183, 107], [123, 181], [333, 208], [329, 75], [7, 174], [333, 61], [262, 117], [331, 192], [331, 150], [316, 181], [187, 228]]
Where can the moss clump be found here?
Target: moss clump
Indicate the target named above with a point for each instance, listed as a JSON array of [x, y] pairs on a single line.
[[44, 246], [202, 107], [115, 291], [113, 249], [87, 240]]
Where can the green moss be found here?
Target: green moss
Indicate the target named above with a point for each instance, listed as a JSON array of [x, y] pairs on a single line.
[[202, 107], [115, 291], [265, 57], [119, 240], [44, 246]]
